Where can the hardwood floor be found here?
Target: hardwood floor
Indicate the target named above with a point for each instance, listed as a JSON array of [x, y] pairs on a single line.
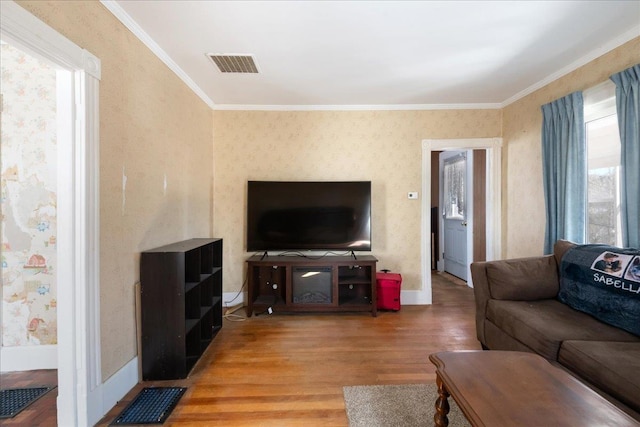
[[43, 411], [289, 370]]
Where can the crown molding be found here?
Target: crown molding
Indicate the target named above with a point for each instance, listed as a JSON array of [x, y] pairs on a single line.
[[596, 53], [113, 7], [133, 26], [390, 107]]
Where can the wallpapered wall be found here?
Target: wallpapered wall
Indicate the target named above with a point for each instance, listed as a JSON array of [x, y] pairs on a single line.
[[155, 135], [152, 126], [523, 195], [28, 200], [384, 147]]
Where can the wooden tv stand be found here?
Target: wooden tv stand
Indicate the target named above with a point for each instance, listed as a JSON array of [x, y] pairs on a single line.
[[282, 283]]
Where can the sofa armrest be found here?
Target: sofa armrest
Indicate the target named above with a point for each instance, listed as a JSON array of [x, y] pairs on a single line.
[[482, 296], [521, 279]]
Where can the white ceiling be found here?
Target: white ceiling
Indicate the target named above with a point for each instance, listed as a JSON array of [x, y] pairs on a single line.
[[378, 54]]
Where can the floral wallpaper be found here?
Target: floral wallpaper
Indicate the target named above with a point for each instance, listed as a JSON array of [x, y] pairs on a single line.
[[155, 136], [28, 161], [384, 147], [156, 161]]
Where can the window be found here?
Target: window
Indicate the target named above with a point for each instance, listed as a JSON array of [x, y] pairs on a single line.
[[455, 169], [603, 165]]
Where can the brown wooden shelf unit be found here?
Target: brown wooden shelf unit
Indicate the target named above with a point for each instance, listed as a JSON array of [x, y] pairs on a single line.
[[181, 305]]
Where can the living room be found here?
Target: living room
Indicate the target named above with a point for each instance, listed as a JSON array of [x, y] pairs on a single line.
[[171, 167]]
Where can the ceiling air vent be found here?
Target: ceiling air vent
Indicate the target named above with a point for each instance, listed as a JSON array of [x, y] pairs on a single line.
[[234, 63]]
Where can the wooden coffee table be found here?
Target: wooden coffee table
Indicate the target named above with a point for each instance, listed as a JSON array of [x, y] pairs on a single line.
[[509, 388]]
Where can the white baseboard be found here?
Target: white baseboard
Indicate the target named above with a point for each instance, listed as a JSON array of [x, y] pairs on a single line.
[[115, 388], [230, 299], [413, 298], [28, 358]]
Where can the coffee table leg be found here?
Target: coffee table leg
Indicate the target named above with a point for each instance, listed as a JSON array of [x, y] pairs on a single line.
[[442, 405]]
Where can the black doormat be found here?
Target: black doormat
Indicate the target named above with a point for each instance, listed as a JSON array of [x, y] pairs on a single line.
[[14, 400], [151, 406]]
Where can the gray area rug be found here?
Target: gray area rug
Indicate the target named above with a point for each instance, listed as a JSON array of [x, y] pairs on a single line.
[[396, 405]]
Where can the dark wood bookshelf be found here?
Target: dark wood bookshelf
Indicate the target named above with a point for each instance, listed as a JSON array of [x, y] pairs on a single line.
[[181, 305]]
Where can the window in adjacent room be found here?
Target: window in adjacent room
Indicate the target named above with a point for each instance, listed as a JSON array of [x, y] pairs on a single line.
[[603, 165]]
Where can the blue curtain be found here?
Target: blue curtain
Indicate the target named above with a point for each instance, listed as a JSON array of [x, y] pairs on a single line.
[[564, 170], [628, 109]]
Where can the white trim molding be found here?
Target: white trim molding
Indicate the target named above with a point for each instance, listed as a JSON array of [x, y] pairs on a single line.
[[118, 385], [596, 53], [28, 358], [231, 299], [364, 107], [117, 11], [136, 29], [80, 389]]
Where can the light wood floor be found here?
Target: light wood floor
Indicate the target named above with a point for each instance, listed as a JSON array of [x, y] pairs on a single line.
[[289, 370]]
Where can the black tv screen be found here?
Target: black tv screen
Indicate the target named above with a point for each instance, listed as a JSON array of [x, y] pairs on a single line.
[[304, 215]]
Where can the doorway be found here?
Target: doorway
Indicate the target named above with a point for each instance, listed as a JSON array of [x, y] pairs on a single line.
[[80, 399], [455, 178], [29, 221], [492, 161]]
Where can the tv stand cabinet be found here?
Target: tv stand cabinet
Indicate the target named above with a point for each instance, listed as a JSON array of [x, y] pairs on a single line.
[[279, 283]]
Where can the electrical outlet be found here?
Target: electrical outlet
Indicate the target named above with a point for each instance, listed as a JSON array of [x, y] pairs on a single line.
[[270, 310], [412, 195]]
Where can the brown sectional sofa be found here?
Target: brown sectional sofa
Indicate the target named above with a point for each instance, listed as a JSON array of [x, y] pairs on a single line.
[[517, 309]]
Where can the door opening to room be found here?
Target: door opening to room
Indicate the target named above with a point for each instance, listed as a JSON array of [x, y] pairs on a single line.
[[458, 210], [75, 170], [28, 158]]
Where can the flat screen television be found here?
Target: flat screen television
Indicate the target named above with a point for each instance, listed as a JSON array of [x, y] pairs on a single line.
[[305, 215]]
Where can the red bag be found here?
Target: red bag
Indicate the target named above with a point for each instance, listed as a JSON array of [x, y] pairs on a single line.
[[388, 289]]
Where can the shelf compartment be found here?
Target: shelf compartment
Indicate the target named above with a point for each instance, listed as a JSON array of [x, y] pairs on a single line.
[[216, 254], [192, 265], [206, 324], [206, 291], [190, 285], [192, 342], [354, 274], [206, 258], [189, 324], [192, 304], [355, 294], [204, 310], [217, 312], [265, 276]]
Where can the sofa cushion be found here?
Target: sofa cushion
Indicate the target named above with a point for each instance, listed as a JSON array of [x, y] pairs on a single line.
[[603, 281], [542, 325], [614, 367], [523, 279]]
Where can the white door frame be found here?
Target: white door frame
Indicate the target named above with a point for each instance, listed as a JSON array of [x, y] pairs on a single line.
[[494, 197], [78, 242]]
